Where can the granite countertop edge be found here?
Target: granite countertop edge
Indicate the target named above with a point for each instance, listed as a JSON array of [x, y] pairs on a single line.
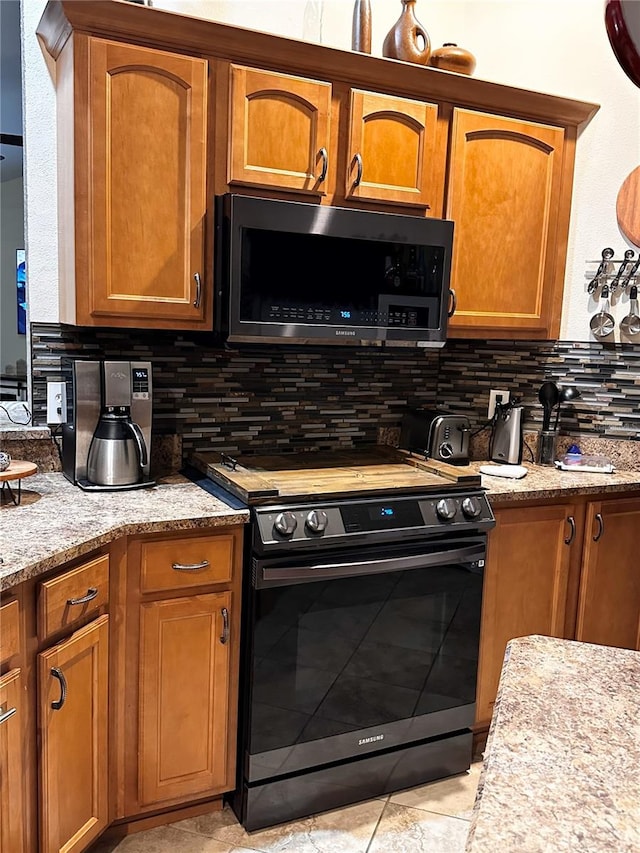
[[79, 522]]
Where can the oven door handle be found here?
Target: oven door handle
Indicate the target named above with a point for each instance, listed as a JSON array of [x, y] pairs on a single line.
[[318, 571]]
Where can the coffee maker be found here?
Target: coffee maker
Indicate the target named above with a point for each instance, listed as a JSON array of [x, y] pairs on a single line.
[[106, 440]]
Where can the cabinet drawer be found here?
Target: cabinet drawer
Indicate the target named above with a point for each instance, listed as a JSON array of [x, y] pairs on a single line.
[[9, 630], [73, 595], [179, 563]]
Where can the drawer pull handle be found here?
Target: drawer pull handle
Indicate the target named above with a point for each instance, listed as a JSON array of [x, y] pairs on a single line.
[[224, 637], [190, 567], [4, 715], [572, 535], [91, 594], [600, 521], [59, 674]]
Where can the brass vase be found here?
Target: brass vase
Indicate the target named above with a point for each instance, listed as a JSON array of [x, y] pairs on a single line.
[[404, 39]]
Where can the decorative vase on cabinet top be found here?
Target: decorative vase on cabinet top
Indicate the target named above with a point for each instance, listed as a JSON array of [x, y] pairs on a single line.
[[361, 33], [403, 39], [450, 57]]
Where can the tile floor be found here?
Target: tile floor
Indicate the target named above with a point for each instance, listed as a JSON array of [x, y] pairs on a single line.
[[431, 819]]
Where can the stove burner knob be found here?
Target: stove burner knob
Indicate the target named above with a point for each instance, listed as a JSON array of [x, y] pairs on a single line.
[[471, 507], [317, 521], [285, 523], [446, 509]]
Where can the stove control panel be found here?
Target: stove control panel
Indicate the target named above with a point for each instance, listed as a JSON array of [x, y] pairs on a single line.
[[335, 522]]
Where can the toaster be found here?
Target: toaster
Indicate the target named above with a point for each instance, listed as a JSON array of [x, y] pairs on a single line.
[[438, 433]]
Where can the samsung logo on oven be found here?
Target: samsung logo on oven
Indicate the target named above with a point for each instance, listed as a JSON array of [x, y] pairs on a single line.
[[373, 739], [345, 332]]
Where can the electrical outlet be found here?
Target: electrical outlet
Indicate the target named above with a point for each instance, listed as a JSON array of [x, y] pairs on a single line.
[[496, 397], [56, 403]]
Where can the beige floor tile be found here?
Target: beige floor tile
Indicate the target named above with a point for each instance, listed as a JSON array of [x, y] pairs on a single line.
[[168, 839], [406, 830], [454, 796], [347, 830]]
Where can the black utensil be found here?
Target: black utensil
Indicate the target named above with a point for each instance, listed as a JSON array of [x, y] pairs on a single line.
[[567, 393], [548, 396], [607, 254]]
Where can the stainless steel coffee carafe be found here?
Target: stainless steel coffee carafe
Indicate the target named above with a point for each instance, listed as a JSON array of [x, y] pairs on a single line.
[[118, 453]]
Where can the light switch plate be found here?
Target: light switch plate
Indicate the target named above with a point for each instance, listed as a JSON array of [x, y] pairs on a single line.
[[56, 403]]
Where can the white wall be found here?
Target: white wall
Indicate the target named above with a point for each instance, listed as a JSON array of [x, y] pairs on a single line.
[[13, 347], [554, 46]]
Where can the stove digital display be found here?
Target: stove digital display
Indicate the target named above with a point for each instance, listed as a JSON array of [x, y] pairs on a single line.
[[380, 516]]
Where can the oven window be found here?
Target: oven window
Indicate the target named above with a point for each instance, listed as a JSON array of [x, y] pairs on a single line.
[[341, 655], [318, 279]]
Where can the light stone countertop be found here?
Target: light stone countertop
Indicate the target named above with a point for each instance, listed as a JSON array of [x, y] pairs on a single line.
[[57, 522], [547, 482], [560, 773]]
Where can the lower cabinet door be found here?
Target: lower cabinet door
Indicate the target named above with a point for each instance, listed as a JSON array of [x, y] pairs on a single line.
[[11, 765], [609, 603], [73, 715], [525, 586], [184, 697]]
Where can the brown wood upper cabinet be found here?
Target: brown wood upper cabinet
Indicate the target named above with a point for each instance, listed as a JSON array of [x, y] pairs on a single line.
[[136, 121], [392, 148], [278, 131], [506, 193]]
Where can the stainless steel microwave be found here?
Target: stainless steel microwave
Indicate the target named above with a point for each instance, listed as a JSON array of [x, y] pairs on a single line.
[[292, 272]]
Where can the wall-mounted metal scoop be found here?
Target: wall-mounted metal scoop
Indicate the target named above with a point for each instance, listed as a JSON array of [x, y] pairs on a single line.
[[630, 324], [602, 323]]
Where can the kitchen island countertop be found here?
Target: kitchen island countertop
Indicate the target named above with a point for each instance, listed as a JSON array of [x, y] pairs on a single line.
[[561, 765], [57, 522]]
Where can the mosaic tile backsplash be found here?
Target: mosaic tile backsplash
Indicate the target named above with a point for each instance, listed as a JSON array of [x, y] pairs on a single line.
[[267, 398]]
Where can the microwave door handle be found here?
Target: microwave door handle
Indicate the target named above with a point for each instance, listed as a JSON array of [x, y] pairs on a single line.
[[321, 571]]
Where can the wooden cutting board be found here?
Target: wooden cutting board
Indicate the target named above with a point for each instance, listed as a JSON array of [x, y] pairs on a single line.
[[307, 475], [628, 207]]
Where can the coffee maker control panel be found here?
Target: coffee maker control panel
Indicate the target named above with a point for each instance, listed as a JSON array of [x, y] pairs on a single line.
[[140, 383]]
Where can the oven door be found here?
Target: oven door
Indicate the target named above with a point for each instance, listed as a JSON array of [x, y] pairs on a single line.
[[357, 651]]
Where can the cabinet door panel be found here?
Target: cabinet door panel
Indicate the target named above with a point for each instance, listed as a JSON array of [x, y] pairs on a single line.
[[147, 117], [184, 694], [74, 759], [396, 141], [11, 764], [525, 587], [504, 195], [279, 126], [609, 602]]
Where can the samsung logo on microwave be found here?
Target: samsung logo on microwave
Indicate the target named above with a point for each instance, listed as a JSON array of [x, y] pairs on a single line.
[[373, 739], [345, 332]]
